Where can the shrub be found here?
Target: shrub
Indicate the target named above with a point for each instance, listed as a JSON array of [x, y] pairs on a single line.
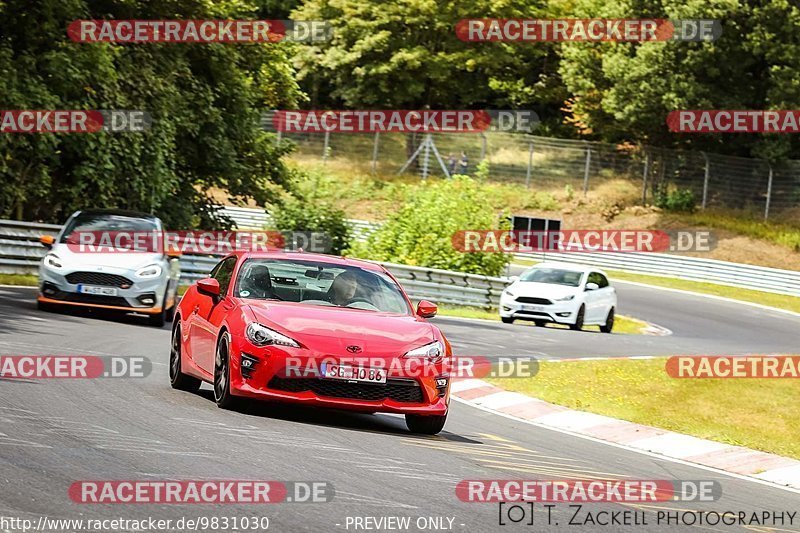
[[678, 200], [421, 232]]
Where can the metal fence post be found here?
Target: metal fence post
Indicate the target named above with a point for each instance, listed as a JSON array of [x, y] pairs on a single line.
[[705, 179], [530, 165], [325, 146], [280, 136], [644, 177], [483, 146], [375, 152], [586, 170], [769, 194]]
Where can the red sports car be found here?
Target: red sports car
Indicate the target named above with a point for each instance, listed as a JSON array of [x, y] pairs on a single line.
[[312, 329]]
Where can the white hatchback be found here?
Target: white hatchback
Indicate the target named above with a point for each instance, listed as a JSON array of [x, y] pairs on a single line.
[[563, 293]]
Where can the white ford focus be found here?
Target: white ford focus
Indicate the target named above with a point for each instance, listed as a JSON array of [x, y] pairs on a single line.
[[563, 293]]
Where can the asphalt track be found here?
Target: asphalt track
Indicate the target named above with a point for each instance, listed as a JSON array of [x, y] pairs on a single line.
[[56, 432]]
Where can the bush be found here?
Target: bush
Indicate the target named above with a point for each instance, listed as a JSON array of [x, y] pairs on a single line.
[[678, 200], [421, 232], [304, 210]]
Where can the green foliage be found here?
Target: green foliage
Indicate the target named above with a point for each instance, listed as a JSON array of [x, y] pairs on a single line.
[[482, 170], [307, 210], [421, 231], [569, 192], [677, 200], [205, 102]]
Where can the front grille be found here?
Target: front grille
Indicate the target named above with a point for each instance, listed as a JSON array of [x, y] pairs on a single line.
[[399, 390], [532, 300], [95, 299], [99, 278]]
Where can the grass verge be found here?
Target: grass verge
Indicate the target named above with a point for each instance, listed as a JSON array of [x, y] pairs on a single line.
[[622, 324], [27, 280], [755, 413]]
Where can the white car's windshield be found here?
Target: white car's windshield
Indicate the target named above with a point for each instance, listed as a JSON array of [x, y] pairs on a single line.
[[554, 276], [319, 283], [106, 226]]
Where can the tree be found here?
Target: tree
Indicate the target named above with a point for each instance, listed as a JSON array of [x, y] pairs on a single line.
[[205, 101]]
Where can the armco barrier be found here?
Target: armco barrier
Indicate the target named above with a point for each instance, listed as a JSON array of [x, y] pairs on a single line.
[[753, 277], [20, 253]]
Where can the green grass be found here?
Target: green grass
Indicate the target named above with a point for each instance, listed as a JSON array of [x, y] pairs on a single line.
[[622, 324], [781, 233], [780, 301], [756, 413], [19, 279]]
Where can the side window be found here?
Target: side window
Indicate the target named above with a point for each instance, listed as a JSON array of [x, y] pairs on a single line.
[[222, 273], [601, 280], [594, 277]]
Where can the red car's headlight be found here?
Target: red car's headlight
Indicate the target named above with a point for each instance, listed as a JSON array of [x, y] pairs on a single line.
[[263, 336], [432, 351]]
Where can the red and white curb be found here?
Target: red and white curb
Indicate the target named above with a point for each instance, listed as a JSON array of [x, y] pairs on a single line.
[[733, 459]]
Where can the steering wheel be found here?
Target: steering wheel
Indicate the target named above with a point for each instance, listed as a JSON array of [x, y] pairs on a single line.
[[360, 300]]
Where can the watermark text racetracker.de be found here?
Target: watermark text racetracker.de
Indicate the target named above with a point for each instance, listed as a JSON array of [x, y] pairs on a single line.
[[74, 121], [523, 241], [196, 242], [73, 367]]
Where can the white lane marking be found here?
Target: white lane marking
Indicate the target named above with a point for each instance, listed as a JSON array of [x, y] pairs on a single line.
[[635, 450], [787, 475], [467, 384], [575, 420]]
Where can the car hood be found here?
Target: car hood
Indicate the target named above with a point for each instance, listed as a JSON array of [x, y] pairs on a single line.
[[542, 290], [332, 329], [75, 260]]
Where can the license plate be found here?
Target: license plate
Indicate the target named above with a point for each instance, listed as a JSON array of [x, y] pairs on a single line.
[[353, 373], [532, 307], [100, 291]]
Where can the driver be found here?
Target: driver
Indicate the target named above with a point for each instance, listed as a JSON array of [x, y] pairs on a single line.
[[343, 288]]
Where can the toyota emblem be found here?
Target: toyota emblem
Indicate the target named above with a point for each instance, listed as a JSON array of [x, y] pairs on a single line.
[[354, 349]]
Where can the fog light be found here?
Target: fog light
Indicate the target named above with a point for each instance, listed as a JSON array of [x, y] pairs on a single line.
[[148, 299], [506, 308], [248, 365], [441, 386], [563, 314]]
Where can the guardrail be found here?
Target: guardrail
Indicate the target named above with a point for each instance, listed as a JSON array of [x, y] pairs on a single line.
[[738, 275], [20, 253], [257, 218]]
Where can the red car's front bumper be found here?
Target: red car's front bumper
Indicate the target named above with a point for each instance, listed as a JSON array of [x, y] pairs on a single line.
[[407, 391]]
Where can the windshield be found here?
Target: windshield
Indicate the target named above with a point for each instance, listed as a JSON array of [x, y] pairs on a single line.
[[109, 226], [317, 283], [554, 276]]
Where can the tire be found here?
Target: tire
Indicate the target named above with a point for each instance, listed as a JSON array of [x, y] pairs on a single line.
[[177, 378], [609, 325], [222, 374], [158, 320], [578, 325], [540, 323], [425, 425], [507, 319]]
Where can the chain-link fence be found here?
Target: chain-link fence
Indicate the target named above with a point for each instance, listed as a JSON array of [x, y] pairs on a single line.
[[546, 163]]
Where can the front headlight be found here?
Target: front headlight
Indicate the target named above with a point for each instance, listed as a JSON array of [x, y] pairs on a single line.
[[263, 336], [52, 260], [566, 298], [150, 271], [508, 293], [432, 351]]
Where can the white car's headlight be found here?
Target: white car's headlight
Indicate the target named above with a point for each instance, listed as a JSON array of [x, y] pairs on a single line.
[[52, 260], [263, 336], [432, 351], [566, 298], [508, 293], [150, 271]]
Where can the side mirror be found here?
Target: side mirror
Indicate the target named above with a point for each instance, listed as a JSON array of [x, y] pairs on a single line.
[[209, 287], [427, 309], [592, 286], [47, 241], [513, 279]]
